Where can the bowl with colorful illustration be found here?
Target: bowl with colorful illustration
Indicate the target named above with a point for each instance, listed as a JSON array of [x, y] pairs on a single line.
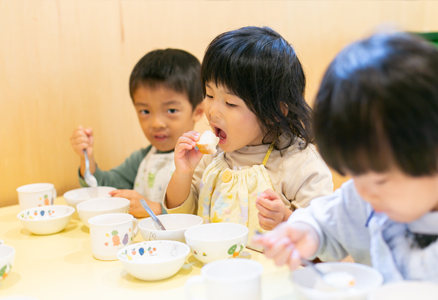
[[154, 260], [310, 286], [7, 255], [100, 206], [76, 196], [214, 241], [175, 224], [46, 219]]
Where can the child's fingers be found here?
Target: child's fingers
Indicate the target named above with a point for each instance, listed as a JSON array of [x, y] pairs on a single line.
[[278, 247], [266, 223], [193, 135], [283, 257], [269, 194], [294, 260], [269, 208]]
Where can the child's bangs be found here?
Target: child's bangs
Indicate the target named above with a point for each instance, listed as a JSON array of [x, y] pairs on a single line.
[[222, 70]]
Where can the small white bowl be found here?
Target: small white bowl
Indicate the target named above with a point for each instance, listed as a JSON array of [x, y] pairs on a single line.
[[153, 260], [214, 241], [100, 206], [406, 290], [46, 219], [74, 197], [175, 224], [7, 255], [310, 286]]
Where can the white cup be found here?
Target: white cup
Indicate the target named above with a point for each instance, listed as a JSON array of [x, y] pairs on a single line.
[[111, 232], [36, 194], [236, 278]]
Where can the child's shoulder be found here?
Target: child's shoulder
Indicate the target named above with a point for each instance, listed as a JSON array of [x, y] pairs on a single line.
[[298, 149]]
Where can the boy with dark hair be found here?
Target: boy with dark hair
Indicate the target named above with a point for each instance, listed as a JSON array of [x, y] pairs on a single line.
[[166, 91], [376, 119]]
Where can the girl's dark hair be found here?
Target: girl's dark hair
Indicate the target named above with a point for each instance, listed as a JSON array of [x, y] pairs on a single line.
[[377, 107], [259, 66], [173, 68]]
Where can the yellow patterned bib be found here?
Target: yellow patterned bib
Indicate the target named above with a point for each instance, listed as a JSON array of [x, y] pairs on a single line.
[[229, 195]]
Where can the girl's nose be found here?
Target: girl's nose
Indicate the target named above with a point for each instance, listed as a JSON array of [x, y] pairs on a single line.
[[214, 112]]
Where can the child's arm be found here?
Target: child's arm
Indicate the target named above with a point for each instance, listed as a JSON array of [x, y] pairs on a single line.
[[186, 160], [289, 242], [83, 139], [135, 207], [272, 210]]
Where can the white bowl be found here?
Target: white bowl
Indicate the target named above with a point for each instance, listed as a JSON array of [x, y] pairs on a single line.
[[74, 197], [46, 219], [406, 290], [175, 224], [7, 255], [214, 241], [309, 285], [100, 206], [153, 260]]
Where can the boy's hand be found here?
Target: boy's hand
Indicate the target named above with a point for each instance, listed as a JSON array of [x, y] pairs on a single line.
[[288, 243], [186, 156], [82, 139], [271, 209], [135, 207]]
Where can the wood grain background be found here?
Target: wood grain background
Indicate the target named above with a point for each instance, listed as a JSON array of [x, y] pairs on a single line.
[[66, 63]]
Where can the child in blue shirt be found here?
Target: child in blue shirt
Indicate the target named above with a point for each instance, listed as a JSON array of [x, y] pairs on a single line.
[[376, 119], [165, 87]]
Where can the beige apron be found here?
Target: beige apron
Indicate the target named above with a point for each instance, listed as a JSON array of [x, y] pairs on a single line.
[[229, 195], [154, 175]]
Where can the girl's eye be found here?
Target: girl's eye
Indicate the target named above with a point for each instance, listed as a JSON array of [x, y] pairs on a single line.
[[231, 105], [144, 112], [172, 110], [208, 96]]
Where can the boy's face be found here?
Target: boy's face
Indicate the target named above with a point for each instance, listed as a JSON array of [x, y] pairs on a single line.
[[230, 119], [164, 115], [401, 197]]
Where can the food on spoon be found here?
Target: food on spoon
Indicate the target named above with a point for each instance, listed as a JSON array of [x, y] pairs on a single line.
[[340, 280], [207, 142]]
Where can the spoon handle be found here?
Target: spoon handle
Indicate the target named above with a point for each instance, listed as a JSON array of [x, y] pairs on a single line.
[[151, 213], [313, 266]]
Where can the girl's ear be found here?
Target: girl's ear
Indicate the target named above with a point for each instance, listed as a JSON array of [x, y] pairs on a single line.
[[198, 112], [284, 108]]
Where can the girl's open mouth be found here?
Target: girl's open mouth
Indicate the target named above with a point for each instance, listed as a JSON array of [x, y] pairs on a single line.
[[221, 135]]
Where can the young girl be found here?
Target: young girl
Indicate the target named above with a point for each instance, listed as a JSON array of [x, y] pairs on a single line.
[[254, 101], [376, 118]]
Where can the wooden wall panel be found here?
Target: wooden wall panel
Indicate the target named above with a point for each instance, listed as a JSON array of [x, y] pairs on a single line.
[[67, 63]]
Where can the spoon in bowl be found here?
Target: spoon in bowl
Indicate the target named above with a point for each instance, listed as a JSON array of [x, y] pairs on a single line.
[[151, 213], [339, 280]]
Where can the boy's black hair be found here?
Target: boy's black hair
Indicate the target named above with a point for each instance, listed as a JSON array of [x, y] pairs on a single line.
[[377, 107], [173, 68], [259, 66]]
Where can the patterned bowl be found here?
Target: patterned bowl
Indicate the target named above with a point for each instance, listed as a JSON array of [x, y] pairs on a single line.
[[175, 224], [46, 219], [74, 197], [7, 254], [153, 260], [214, 241]]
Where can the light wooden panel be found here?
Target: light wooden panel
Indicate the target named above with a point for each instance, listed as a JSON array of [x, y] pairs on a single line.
[[67, 63]]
